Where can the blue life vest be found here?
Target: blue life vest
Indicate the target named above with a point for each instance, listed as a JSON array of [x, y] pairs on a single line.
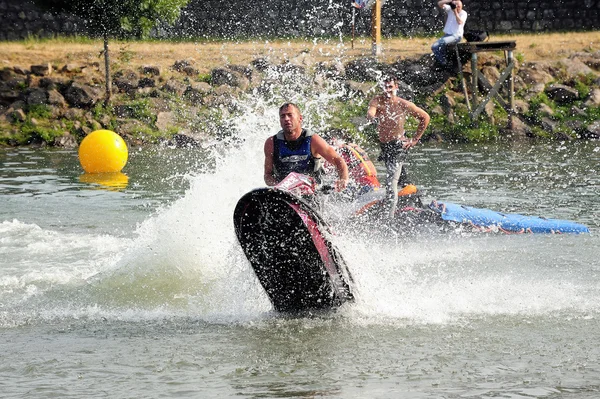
[[293, 156]]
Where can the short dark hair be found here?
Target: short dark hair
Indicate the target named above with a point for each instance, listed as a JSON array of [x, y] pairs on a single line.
[[287, 105], [390, 78]]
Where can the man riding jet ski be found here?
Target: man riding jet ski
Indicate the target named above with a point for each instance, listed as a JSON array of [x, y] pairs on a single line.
[[294, 149]]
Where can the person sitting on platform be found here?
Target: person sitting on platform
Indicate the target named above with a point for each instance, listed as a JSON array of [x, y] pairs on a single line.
[[294, 149], [453, 29]]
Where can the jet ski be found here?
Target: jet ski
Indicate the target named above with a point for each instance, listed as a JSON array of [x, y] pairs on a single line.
[[288, 245], [411, 213], [368, 205]]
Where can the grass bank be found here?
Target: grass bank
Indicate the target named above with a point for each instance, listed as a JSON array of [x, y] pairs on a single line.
[[530, 47]]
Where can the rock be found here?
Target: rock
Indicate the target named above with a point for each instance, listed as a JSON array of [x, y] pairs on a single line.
[[152, 70], [82, 96], [521, 107], [591, 62], [146, 82], [66, 141], [74, 114], [534, 90], [360, 89], [489, 112], [179, 65], [197, 90], [126, 85], [593, 130], [421, 73], [575, 67], [223, 76], [594, 98], [520, 129], [365, 69], [576, 111], [331, 69], [128, 74], [447, 103], [19, 104], [261, 64], [128, 126], [491, 73], [41, 70], [577, 127], [437, 110], [6, 74], [9, 96], [190, 71], [290, 69], [164, 120], [20, 70], [302, 59], [548, 125], [55, 82], [71, 68], [545, 109], [37, 96], [532, 74], [175, 87], [105, 121], [222, 96], [18, 115], [561, 94], [123, 111]]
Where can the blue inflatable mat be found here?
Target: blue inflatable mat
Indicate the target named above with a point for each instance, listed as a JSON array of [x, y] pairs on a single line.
[[507, 221]]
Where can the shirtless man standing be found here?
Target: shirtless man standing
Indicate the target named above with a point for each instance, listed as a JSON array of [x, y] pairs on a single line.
[[390, 112]]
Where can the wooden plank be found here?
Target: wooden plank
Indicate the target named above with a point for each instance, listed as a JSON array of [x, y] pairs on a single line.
[[478, 47], [487, 87], [507, 72], [474, 73], [511, 94], [462, 79]]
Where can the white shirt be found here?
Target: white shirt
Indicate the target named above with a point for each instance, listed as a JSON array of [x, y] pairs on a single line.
[[452, 27]]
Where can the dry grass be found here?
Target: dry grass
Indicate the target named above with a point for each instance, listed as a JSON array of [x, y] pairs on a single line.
[[532, 47]]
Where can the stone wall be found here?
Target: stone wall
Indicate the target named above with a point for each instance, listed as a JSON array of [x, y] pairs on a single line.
[[292, 18], [20, 19]]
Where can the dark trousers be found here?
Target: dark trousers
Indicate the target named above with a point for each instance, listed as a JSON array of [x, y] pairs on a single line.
[[394, 158]]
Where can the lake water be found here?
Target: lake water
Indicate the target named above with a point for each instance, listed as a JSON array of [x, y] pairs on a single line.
[[141, 290]]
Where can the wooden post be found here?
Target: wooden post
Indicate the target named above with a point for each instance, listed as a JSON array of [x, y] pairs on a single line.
[[474, 72], [108, 81], [462, 78], [376, 28], [511, 92], [353, 21]]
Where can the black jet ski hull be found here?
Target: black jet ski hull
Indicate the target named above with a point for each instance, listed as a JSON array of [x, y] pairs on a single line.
[[283, 238]]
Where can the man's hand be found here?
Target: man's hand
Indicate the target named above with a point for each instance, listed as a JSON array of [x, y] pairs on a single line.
[[410, 143], [341, 184]]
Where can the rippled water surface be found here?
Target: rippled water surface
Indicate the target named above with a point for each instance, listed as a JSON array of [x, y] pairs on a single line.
[[139, 289]]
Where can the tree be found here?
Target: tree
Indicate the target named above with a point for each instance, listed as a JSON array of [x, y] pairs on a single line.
[[118, 18]]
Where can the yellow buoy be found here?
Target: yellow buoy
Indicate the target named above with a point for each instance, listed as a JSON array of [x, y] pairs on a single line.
[[103, 151]]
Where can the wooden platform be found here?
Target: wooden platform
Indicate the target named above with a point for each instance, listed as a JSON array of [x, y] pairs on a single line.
[[478, 47], [506, 76]]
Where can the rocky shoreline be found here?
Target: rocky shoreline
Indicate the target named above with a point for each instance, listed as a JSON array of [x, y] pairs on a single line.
[[58, 105]]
